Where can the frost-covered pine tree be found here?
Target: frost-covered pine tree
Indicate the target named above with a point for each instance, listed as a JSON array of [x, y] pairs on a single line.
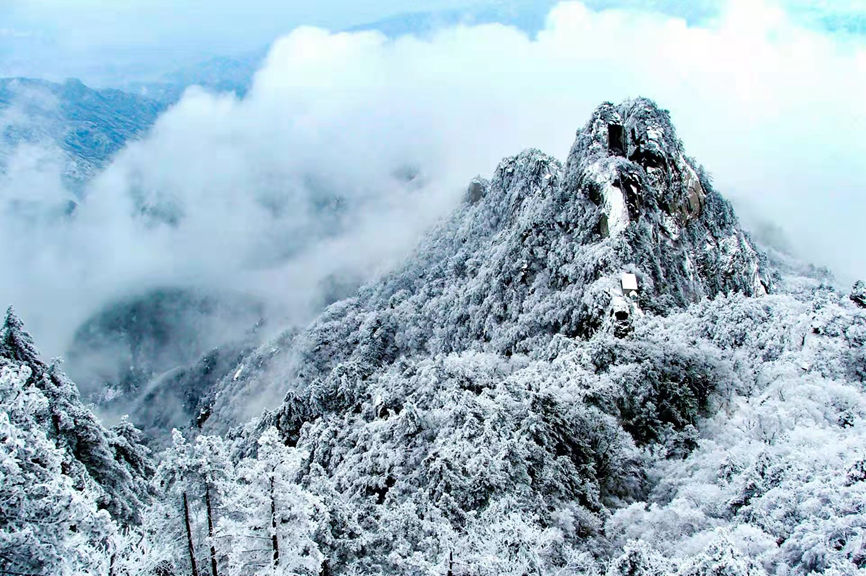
[[15, 343], [113, 460], [176, 523], [639, 559], [212, 469], [270, 520], [49, 521], [69, 487], [721, 558]]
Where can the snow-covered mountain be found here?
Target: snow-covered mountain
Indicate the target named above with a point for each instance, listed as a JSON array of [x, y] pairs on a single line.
[[66, 481], [500, 400], [537, 252], [156, 354], [88, 126], [587, 368]]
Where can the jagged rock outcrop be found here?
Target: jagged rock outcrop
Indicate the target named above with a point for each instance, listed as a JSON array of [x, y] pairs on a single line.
[[858, 294], [536, 251], [659, 208]]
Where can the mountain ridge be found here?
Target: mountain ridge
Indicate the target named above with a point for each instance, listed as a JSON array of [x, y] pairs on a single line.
[[539, 251], [89, 126], [506, 401]]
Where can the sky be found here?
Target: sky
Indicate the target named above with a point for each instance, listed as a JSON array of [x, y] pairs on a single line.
[[104, 42], [771, 103], [101, 41]]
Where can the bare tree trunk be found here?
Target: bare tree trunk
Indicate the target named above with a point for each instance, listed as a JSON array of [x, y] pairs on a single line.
[[213, 562], [275, 542], [451, 563], [189, 535]]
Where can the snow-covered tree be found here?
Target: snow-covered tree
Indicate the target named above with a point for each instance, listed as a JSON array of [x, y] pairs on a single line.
[[640, 559], [270, 521], [192, 480], [115, 460], [721, 558], [68, 485], [50, 522]]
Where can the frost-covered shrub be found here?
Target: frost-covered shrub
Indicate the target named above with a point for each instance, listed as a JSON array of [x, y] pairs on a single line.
[[779, 466]]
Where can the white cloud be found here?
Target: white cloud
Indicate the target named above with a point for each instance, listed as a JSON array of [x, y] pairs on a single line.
[[13, 33], [775, 111]]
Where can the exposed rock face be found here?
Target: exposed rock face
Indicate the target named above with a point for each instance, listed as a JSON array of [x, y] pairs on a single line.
[[536, 251], [659, 211], [858, 294]]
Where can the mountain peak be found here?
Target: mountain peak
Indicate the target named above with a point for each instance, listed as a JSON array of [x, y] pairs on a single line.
[[628, 225], [631, 163], [658, 207]]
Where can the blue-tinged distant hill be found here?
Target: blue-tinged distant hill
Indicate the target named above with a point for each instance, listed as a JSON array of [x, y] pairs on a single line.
[[527, 15], [218, 74], [530, 15], [87, 125]]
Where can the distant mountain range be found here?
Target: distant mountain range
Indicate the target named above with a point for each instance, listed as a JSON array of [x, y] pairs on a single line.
[[218, 74], [588, 368], [87, 125], [90, 125]]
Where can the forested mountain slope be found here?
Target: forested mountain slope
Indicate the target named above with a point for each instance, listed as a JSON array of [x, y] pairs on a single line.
[[88, 126], [66, 482], [537, 251], [501, 399], [501, 402], [506, 402]]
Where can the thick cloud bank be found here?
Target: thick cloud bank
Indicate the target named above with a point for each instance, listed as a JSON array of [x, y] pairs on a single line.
[[348, 145]]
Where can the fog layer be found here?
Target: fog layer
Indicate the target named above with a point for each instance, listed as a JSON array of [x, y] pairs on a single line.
[[348, 146]]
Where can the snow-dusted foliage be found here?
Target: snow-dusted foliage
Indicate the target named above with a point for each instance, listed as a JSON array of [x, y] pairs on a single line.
[[780, 466], [114, 459], [503, 404], [214, 515], [577, 448], [61, 472], [270, 523], [48, 522]]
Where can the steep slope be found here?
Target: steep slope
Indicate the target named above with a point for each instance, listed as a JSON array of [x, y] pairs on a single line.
[[536, 252], [113, 463], [88, 125], [154, 355]]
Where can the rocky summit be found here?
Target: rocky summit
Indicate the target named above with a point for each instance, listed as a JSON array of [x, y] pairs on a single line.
[[536, 252]]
